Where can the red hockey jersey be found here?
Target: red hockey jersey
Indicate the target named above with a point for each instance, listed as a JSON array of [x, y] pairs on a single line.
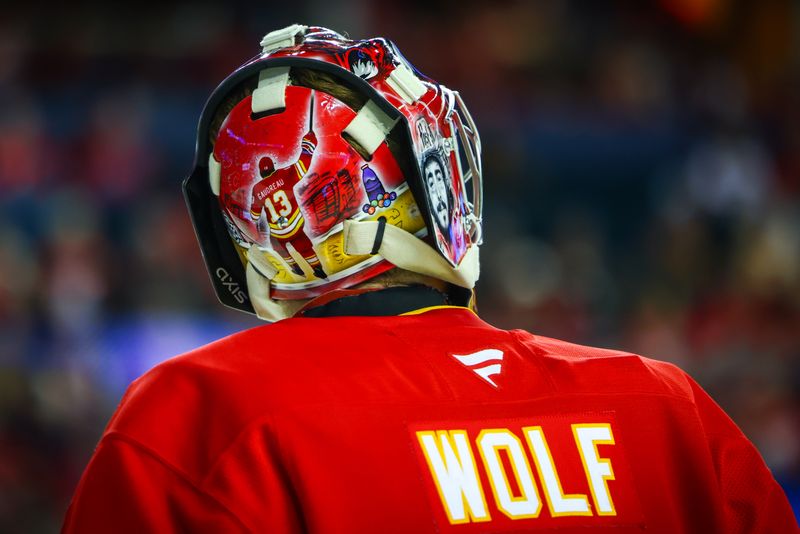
[[428, 422]]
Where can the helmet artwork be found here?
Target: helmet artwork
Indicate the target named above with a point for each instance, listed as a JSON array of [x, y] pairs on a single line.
[[324, 162]]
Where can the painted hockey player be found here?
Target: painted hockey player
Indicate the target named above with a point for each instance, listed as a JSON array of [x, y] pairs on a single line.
[[274, 207]]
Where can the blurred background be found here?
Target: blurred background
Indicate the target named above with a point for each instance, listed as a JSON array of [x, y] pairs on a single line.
[[642, 165]]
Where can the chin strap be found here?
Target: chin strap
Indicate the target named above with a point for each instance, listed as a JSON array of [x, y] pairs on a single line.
[[259, 274], [398, 247], [267, 308], [408, 252]]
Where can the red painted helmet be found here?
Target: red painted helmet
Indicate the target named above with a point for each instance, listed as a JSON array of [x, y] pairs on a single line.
[[324, 162]]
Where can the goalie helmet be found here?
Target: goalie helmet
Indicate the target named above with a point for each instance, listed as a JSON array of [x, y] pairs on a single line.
[[324, 162]]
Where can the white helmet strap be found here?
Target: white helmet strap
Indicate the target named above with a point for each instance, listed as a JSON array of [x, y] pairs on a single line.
[[398, 247], [407, 251], [267, 308]]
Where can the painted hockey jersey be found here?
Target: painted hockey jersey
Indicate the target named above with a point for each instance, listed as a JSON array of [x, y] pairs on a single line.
[[275, 194], [429, 422]]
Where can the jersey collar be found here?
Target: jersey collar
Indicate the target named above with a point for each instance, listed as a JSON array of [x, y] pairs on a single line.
[[401, 300]]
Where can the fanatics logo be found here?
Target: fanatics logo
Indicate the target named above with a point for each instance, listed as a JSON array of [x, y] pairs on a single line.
[[492, 359]]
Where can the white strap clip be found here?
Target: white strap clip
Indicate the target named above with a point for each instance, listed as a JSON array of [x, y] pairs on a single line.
[[406, 84], [282, 38], [271, 91], [214, 172], [369, 127], [449, 144]]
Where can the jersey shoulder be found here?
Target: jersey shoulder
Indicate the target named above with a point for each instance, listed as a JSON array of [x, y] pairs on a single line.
[[587, 369], [215, 391], [239, 382]]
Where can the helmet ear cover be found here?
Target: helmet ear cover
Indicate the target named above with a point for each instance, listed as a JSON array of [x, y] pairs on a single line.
[[220, 255]]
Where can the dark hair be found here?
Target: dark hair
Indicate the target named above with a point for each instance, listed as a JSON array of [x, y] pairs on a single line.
[[327, 83], [312, 79]]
